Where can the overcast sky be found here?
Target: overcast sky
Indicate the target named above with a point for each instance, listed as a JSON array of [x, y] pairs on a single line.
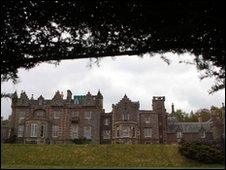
[[140, 78]]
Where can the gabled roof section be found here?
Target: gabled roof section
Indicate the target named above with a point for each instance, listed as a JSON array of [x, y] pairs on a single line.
[[57, 95], [126, 100]]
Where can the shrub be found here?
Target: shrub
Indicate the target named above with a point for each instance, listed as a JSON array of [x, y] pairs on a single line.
[[81, 141], [201, 152], [11, 139]]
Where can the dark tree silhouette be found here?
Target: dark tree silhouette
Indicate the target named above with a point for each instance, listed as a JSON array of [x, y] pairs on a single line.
[[49, 31]]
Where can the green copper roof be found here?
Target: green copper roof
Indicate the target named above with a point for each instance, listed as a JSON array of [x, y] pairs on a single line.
[[80, 98]]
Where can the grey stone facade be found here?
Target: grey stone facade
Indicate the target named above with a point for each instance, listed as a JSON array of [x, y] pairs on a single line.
[[60, 120]]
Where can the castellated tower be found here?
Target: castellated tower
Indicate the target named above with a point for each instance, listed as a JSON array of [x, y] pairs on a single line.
[[159, 108]]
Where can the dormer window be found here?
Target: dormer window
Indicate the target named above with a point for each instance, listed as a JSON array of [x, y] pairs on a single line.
[[39, 102], [125, 116]]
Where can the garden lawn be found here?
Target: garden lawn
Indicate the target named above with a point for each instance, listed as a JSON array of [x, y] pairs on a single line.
[[95, 156]]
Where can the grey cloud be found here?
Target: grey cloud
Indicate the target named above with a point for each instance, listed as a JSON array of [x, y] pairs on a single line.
[[139, 78]]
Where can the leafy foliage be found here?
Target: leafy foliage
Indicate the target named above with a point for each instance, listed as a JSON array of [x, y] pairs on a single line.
[[204, 114], [82, 140], [180, 115], [201, 152], [33, 32]]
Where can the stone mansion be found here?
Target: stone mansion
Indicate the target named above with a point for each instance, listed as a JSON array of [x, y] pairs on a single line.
[[60, 120]]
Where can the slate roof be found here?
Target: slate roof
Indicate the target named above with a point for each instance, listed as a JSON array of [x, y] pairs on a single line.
[[189, 127]]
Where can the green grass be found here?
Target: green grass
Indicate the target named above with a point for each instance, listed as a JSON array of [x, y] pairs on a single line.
[[95, 156]]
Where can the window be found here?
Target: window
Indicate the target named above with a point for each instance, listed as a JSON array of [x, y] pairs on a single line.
[[20, 131], [40, 102], [56, 115], [21, 117], [75, 114], [125, 116], [39, 113], [125, 132], [106, 134], [147, 132], [117, 132], [34, 130], [88, 115], [179, 134], [76, 101], [55, 130], [147, 120], [74, 131], [133, 132], [203, 134], [106, 121], [42, 133], [87, 132]]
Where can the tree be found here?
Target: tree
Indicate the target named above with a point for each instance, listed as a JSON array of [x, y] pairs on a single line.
[[192, 117], [33, 32], [204, 114], [181, 115], [219, 111]]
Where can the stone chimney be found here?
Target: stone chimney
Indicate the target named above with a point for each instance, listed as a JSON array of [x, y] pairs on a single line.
[[62, 95], [69, 95], [32, 96], [173, 111]]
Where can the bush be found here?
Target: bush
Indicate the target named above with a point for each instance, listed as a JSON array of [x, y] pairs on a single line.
[[201, 152], [11, 139], [81, 141]]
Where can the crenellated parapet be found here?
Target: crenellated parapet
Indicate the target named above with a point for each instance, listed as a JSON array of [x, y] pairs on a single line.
[[89, 100]]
